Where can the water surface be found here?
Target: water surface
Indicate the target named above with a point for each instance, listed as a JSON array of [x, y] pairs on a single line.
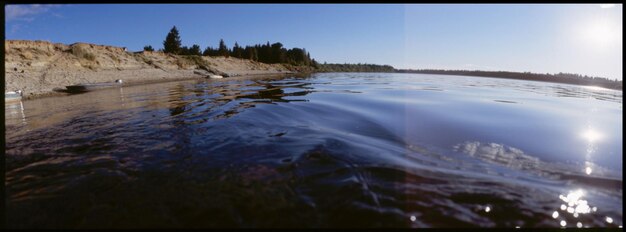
[[326, 150]]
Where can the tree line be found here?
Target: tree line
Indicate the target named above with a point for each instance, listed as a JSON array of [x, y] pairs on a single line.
[[567, 78], [276, 53], [265, 53], [353, 68]]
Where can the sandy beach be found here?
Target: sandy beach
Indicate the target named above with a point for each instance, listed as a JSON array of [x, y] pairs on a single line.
[[39, 67]]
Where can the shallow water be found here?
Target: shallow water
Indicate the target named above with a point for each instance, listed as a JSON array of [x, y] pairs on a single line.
[[327, 150]]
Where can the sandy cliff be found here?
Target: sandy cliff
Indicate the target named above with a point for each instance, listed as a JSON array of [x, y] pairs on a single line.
[[38, 67]]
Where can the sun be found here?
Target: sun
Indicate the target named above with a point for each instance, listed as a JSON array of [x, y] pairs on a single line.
[[599, 32]]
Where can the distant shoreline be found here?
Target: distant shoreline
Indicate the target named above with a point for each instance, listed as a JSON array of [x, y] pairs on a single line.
[[553, 78]]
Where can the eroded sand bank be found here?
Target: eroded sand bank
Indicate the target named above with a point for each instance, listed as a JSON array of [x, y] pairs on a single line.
[[39, 67]]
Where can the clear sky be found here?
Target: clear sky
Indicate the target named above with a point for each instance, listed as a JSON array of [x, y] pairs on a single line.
[[584, 38]]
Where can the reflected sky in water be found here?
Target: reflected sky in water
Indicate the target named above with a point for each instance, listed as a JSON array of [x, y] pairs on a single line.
[[332, 149]]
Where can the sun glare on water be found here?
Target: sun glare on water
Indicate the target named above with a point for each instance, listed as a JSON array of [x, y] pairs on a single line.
[[591, 135], [596, 88]]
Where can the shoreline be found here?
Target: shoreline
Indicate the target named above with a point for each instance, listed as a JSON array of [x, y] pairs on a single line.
[[55, 93], [194, 76]]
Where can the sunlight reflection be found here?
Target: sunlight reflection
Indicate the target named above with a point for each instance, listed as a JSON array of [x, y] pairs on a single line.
[[591, 135], [575, 206], [122, 99], [593, 87]]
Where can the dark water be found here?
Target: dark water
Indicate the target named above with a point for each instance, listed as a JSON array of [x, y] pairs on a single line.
[[327, 150]]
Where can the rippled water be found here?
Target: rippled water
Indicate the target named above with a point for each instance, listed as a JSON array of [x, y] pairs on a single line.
[[326, 150]]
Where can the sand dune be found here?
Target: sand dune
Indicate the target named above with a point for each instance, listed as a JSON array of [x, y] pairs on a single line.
[[39, 67]]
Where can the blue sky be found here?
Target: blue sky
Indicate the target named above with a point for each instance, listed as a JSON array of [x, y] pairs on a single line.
[[585, 39]]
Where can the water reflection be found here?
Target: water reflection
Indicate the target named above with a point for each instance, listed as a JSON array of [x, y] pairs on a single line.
[[587, 92], [575, 204], [498, 153], [329, 150], [14, 112], [576, 210], [122, 99], [517, 159], [591, 136]]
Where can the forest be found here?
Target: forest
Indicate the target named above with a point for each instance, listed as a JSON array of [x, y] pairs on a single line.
[[265, 53]]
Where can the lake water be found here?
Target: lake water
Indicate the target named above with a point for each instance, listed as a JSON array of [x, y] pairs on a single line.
[[326, 150]]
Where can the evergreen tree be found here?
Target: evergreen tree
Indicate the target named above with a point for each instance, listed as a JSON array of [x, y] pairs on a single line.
[[308, 60], [276, 53], [223, 50], [148, 48], [237, 51], [251, 53], [206, 51], [209, 51], [265, 54], [195, 50], [183, 51], [172, 43]]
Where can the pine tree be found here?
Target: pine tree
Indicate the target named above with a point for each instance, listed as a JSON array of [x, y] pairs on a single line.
[[172, 43], [209, 51], [195, 50], [183, 51], [237, 51], [148, 48], [223, 50]]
